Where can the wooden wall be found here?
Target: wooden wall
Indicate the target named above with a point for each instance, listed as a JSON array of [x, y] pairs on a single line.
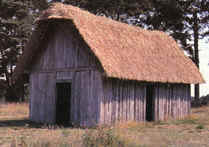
[[126, 101], [95, 99], [42, 97], [172, 101], [85, 96], [122, 101], [65, 60], [64, 51]]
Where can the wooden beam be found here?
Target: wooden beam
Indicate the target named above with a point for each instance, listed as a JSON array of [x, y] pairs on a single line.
[[66, 70]]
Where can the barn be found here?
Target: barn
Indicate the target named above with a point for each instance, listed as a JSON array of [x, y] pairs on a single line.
[[87, 70]]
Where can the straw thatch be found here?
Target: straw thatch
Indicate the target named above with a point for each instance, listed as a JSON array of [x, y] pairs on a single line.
[[125, 51]]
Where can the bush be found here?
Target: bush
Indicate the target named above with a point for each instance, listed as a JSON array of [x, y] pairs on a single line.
[[203, 101], [200, 127]]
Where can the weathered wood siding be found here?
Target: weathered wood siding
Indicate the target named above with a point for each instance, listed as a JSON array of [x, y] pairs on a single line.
[[122, 101], [126, 101], [94, 99], [172, 101], [65, 60], [65, 51], [86, 91], [42, 97]]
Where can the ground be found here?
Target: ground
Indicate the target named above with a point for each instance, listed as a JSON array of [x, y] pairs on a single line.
[[16, 130]]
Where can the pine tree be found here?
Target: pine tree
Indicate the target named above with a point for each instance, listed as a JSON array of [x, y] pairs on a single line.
[[197, 20], [15, 27]]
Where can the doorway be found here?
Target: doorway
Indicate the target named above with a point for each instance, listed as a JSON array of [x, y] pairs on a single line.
[[63, 103], [150, 103]]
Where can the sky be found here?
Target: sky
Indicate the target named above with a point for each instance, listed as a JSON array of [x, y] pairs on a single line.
[[204, 67]]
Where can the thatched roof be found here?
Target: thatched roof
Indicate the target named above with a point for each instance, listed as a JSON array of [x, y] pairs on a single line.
[[125, 51]]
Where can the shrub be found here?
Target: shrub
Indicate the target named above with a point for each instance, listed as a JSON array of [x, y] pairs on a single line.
[[200, 127]]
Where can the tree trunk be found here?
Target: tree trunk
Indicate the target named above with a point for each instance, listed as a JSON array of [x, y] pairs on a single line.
[[196, 52]]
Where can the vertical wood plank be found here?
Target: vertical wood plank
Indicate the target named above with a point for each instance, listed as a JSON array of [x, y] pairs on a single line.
[[127, 101], [121, 100], [88, 98], [102, 108], [97, 96], [179, 98], [189, 99], [138, 102], [171, 101], [105, 102], [162, 94], [168, 101], [110, 101], [145, 102], [135, 99], [132, 101], [157, 103], [113, 94], [141, 104], [82, 101], [116, 87], [174, 102]]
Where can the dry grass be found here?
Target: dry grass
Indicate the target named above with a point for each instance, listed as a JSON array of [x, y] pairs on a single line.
[[17, 130], [8, 111]]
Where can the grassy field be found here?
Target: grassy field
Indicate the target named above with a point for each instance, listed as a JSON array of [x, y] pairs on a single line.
[[17, 131]]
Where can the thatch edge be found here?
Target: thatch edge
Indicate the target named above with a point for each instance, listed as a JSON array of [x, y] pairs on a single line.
[[57, 17]]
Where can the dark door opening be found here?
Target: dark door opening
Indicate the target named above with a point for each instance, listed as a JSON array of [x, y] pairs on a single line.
[[150, 105], [63, 93]]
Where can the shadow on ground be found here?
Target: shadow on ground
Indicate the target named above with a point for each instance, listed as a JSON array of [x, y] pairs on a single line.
[[19, 123], [29, 124]]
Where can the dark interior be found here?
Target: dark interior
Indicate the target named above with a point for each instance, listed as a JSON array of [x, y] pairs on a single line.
[[63, 103], [150, 107]]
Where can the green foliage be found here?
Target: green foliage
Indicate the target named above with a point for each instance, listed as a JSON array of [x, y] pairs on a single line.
[[200, 127], [15, 26], [186, 121]]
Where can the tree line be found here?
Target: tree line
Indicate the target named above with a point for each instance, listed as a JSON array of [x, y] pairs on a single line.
[[187, 21]]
